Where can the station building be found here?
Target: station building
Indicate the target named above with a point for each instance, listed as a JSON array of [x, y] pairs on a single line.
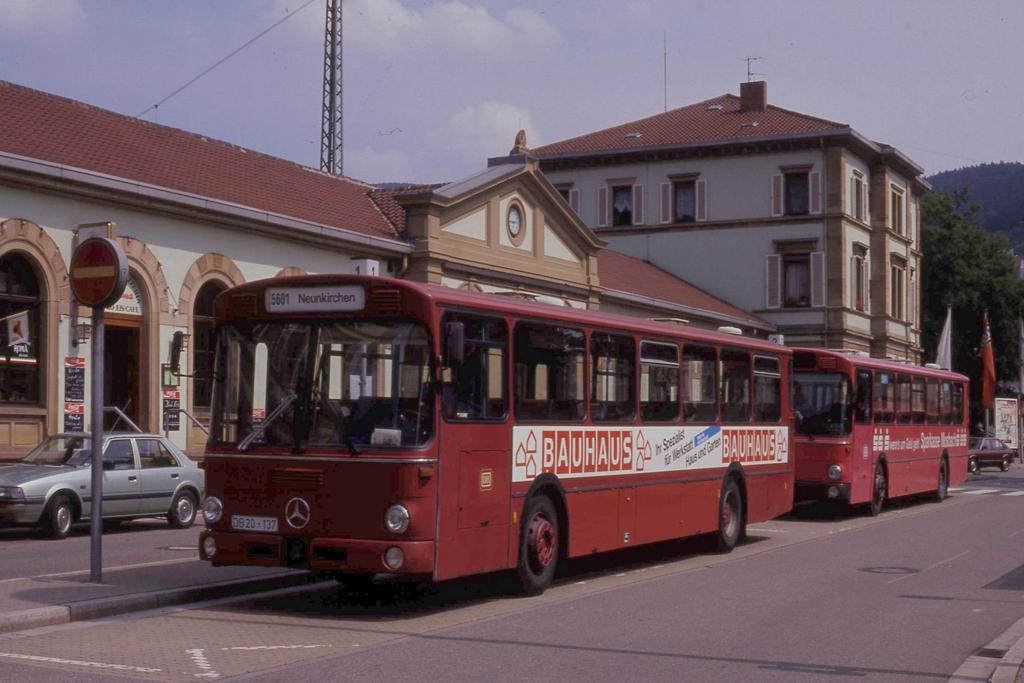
[[197, 215]]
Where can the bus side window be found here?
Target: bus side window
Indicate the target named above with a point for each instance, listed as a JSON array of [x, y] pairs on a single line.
[[735, 386], [549, 375], [475, 388], [862, 402], [946, 403], [903, 399], [885, 398], [767, 389], [612, 360], [958, 403], [700, 384], [932, 401], [917, 400], [659, 382]]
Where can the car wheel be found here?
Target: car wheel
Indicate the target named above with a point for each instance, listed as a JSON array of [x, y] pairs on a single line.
[[1005, 467], [60, 515], [538, 548], [972, 466], [878, 491], [730, 517], [183, 511]]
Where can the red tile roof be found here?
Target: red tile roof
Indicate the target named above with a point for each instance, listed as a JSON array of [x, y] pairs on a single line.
[[635, 276], [701, 123], [47, 127]]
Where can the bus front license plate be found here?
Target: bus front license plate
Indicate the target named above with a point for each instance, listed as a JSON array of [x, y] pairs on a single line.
[[249, 523]]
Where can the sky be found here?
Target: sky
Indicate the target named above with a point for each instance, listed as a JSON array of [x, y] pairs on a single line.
[[432, 88]]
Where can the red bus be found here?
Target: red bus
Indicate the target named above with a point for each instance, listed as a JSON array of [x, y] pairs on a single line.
[[870, 429], [370, 425]]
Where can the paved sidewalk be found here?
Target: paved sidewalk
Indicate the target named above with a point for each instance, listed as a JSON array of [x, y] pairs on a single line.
[[49, 599]]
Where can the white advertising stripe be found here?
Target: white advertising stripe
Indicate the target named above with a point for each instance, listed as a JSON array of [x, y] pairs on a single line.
[[575, 451]]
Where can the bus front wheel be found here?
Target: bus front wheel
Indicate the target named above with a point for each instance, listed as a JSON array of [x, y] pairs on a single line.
[[730, 517], [878, 491], [538, 549]]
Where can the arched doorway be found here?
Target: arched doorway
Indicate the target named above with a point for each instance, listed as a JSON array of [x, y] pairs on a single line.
[[202, 343], [22, 356], [123, 365]]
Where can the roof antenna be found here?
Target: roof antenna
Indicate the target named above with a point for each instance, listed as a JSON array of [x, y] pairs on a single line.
[[751, 74], [664, 65]]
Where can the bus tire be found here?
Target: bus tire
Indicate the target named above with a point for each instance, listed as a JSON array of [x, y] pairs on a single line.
[[538, 546], [730, 517], [879, 488], [943, 488]]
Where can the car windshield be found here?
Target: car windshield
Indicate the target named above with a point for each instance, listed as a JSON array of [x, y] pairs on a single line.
[[60, 450], [348, 384], [976, 442], [823, 401]]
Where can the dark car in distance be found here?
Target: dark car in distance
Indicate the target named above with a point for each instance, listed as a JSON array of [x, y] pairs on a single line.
[[987, 451]]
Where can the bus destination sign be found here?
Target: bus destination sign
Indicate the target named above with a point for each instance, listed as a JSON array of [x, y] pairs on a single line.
[[326, 299]]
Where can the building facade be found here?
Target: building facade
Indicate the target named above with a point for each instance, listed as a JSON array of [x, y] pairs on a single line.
[[802, 221]]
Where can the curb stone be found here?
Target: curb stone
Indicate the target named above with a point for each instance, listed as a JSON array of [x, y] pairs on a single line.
[[998, 662], [133, 602]]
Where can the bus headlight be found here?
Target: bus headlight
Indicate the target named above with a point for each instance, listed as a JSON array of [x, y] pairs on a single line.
[[835, 472], [396, 519], [213, 510]]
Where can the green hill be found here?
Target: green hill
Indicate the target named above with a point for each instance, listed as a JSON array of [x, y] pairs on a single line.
[[998, 189]]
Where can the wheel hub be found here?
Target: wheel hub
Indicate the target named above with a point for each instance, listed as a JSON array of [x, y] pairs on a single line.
[[541, 541], [184, 509]]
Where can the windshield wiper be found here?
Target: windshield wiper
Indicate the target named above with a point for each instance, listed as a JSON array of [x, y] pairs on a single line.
[[260, 430]]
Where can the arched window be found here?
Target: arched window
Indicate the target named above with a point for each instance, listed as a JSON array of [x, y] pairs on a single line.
[[20, 355], [202, 343]]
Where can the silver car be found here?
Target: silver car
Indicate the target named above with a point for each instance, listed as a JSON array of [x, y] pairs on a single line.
[[144, 475]]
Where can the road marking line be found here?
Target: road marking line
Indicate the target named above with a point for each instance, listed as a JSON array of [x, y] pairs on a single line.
[[122, 567], [931, 566], [274, 647], [771, 531], [956, 488], [77, 662], [198, 656], [978, 492], [1014, 493]]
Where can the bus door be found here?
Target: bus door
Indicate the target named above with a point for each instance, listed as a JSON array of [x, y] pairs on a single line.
[[475, 448]]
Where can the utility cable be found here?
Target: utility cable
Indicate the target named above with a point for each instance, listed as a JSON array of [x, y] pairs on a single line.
[[227, 57]]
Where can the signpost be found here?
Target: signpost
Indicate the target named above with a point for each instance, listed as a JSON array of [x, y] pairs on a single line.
[[98, 273]]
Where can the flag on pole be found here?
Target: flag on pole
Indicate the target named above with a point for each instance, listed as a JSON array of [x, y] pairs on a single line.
[[944, 356], [17, 329], [988, 366]]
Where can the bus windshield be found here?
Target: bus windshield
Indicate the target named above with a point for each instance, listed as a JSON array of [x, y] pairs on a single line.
[[333, 384], [822, 399]]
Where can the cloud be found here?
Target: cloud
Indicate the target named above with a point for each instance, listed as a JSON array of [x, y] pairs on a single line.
[[391, 28], [57, 16], [486, 129], [380, 165]]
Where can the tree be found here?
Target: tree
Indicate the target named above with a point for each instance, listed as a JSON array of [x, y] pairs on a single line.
[[966, 267]]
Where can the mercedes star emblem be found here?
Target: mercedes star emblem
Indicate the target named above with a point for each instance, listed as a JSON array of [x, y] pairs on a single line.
[[296, 513]]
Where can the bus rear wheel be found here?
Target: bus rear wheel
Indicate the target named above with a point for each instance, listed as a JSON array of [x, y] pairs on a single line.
[[538, 549], [878, 491], [730, 517]]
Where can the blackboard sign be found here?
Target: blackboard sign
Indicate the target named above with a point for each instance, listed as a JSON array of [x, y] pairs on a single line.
[[74, 379], [172, 410], [74, 417]]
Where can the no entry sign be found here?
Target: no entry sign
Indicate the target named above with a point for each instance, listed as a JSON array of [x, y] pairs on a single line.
[[99, 272]]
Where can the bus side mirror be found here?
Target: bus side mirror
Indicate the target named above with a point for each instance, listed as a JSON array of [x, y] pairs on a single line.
[[455, 343], [177, 344]]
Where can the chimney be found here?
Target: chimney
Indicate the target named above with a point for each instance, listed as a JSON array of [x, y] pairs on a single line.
[[753, 96]]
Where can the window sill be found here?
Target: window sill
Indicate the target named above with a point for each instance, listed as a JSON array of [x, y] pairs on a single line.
[[22, 410]]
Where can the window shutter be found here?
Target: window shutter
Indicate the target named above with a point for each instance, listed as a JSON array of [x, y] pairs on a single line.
[[666, 202], [852, 203], [854, 270], [574, 200], [602, 207], [777, 194], [700, 189], [867, 283], [817, 278], [867, 207], [912, 303], [773, 281], [638, 205], [815, 189]]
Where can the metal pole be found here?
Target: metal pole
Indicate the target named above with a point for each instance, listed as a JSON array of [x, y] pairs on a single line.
[[96, 521]]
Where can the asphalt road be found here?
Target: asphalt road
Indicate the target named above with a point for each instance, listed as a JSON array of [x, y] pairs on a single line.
[[903, 597]]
